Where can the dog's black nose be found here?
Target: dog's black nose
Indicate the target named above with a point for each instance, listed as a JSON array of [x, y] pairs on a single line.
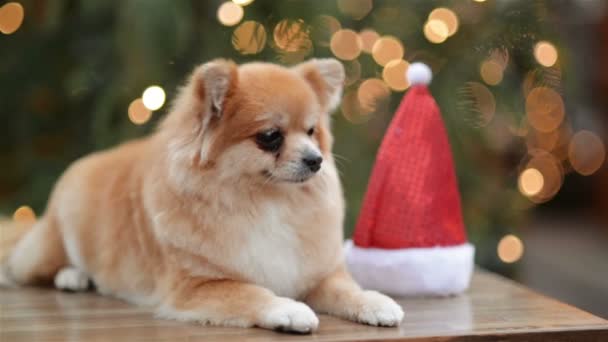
[[313, 162]]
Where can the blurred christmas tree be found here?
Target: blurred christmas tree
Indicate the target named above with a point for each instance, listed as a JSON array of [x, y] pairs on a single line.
[[74, 73]]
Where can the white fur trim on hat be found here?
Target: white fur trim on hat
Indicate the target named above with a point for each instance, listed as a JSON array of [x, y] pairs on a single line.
[[412, 271], [419, 73]]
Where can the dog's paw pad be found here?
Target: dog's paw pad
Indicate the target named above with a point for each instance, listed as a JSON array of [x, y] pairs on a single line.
[[289, 316], [71, 279], [378, 309]]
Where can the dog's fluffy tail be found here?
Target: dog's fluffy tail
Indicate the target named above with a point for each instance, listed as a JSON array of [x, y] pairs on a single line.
[[10, 233]]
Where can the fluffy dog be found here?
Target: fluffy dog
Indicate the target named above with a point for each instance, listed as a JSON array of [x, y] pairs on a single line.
[[229, 214]]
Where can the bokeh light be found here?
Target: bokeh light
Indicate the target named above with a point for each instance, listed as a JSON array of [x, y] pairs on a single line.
[[242, 2], [448, 17], [356, 9], [530, 182], [586, 152], [436, 31], [543, 140], [510, 249], [552, 173], [346, 44], [352, 70], [292, 36], [387, 49], [24, 214], [482, 101], [394, 74], [545, 109], [371, 92], [545, 53], [368, 39], [138, 113], [249, 38], [229, 13], [11, 17], [491, 72], [351, 108], [153, 97], [323, 28]]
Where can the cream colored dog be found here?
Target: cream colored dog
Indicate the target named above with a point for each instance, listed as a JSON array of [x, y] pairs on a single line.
[[230, 214]]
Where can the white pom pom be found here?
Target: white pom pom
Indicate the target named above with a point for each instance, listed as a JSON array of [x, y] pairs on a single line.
[[419, 73]]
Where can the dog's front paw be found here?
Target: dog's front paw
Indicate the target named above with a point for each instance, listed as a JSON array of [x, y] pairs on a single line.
[[71, 279], [288, 315], [378, 309]]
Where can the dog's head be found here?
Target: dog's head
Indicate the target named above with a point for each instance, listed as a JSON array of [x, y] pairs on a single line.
[[256, 121]]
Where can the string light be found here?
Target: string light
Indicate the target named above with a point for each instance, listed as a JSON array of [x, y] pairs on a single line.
[[387, 49], [138, 113], [230, 14], [346, 44], [11, 17], [249, 38], [545, 109], [552, 173], [394, 74], [448, 17], [510, 249], [24, 214], [586, 152], [545, 53], [153, 97], [368, 39], [530, 182]]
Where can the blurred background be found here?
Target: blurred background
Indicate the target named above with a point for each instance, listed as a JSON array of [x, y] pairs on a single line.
[[523, 86]]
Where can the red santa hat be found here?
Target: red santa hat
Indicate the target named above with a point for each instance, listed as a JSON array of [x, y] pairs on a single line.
[[410, 237]]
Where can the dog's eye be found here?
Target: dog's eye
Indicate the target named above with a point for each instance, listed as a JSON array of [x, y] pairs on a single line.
[[270, 140], [311, 131]]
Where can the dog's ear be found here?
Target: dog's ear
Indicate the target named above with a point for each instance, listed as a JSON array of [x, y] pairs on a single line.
[[326, 77], [214, 83]]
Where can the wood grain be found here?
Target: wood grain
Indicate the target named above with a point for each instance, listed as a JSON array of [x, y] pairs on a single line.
[[494, 309]]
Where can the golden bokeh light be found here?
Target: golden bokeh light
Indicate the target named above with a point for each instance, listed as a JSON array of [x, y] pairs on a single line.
[[346, 44], [24, 214], [545, 109], [387, 49], [153, 97], [11, 17], [353, 72], [249, 38], [500, 56], [545, 53], [448, 17], [586, 152], [323, 28], [530, 182], [394, 74], [371, 93], [351, 108], [356, 9], [436, 31], [230, 14], [491, 72], [292, 35], [242, 2], [552, 172], [368, 39], [510, 249], [543, 140], [138, 113], [482, 101]]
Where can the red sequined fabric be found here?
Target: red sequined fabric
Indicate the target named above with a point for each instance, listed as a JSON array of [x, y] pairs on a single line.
[[412, 198]]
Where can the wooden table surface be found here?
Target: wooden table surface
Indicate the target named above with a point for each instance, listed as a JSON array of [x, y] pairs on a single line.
[[494, 309]]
